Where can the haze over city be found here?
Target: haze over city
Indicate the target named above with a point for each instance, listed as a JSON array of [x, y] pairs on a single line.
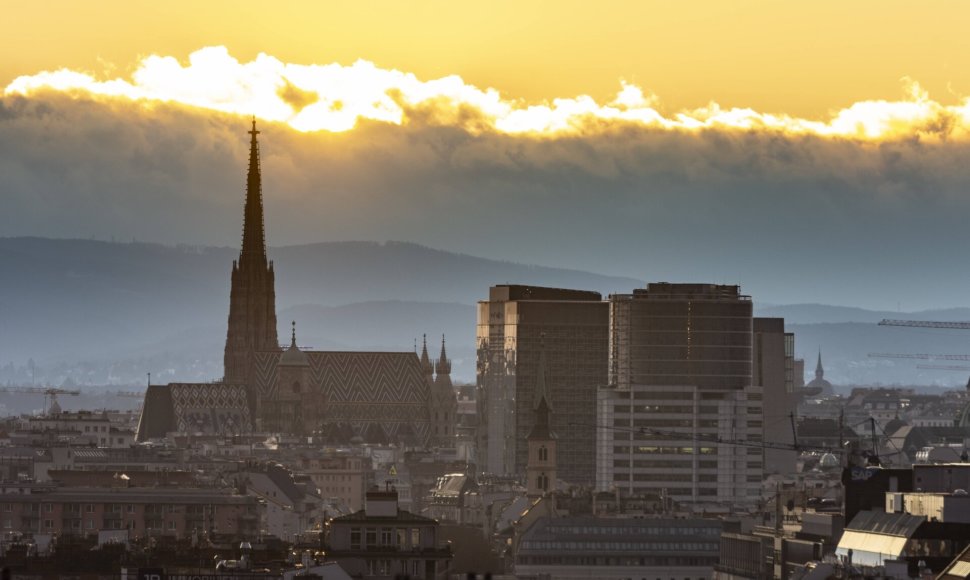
[[455, 291]]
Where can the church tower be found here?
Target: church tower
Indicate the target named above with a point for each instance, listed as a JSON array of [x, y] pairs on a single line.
[[541, 466], [444, 405], [252, 298]]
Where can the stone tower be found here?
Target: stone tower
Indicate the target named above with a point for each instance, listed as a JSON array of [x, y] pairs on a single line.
[[252, 298], [444, 405], [541, 467], [298, 405]]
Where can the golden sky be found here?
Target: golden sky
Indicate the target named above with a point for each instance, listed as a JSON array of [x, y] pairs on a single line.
[[797, 58]]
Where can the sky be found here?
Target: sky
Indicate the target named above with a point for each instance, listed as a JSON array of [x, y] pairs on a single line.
[[810, 152]]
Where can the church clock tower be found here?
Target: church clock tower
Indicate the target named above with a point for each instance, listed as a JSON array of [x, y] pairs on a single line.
[[541, 465]]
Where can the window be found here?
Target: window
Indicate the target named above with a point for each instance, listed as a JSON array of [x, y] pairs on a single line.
[[48, 524], [131, 508], [386, 536], [543, 453], [171, 525], [89, 508], [402, 539], [48, 508], [371, 537], [415, 537], [354, 538], [90, 524], [8, 507]]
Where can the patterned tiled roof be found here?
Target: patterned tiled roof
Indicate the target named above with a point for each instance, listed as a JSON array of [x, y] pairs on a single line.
[[367, 390]]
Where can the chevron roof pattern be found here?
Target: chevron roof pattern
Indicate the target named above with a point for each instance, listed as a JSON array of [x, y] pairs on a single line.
[[362, 388], [210, 408]]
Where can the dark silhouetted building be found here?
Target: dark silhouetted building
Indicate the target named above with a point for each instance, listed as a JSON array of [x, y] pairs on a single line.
[[374, 397], [252, 297], [511, 327]]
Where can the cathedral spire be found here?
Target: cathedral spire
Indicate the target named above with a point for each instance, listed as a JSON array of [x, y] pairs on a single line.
[[252, 293], [443, 365], [254, 239], [819, 371]]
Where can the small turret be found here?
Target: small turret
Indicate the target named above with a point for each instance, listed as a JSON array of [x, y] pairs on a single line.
[[426, 365], [442, 365]]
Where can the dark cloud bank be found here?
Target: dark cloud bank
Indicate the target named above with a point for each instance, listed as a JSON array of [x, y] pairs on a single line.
[[791, 218]]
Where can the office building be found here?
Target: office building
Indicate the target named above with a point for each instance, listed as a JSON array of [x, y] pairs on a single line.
[[514, 325], [681, 417]]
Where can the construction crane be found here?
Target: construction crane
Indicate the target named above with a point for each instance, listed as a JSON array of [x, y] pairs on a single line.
[[925, 324], [50, 393], [921, 356], [944, 367]]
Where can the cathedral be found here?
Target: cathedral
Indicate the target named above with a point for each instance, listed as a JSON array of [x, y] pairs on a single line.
[[340, 397]]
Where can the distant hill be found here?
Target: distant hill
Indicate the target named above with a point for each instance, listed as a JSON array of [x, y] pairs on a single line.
[[111, 312], [63, 302]]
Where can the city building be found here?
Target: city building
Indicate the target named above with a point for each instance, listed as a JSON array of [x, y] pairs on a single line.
[[681, 417], [773, 366], [617, 548], [383, 542], [148, 511], [339, 475], [819, 385], [513, 325]]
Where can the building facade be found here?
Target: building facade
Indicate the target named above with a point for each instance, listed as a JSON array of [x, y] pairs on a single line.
[[384, 542], [680, 389], [144, 512], [618, 548], [773, 369], [514, 325]]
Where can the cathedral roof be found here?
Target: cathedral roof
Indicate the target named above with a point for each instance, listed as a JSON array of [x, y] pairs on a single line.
[[386, 388]]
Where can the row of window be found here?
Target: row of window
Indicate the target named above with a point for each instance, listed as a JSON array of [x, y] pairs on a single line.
[[621, 546], [641, 529], [396, 537]]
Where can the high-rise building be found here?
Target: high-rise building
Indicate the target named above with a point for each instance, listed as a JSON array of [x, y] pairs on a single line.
[[252, 297], [513, 325], [680, 386], [773, 369]]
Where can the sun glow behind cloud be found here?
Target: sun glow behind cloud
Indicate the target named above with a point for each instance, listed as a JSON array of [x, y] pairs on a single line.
[[334, 98]]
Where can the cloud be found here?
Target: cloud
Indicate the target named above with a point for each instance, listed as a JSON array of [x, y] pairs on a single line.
[[793, 215], [336, 98]]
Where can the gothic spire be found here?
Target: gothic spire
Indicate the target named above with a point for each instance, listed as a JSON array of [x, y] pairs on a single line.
[[254, 241], [443, 365], [425, 360], [819, 371]]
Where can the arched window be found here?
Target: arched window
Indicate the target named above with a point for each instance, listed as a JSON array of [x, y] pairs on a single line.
[[542, 482], [543, 453]]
